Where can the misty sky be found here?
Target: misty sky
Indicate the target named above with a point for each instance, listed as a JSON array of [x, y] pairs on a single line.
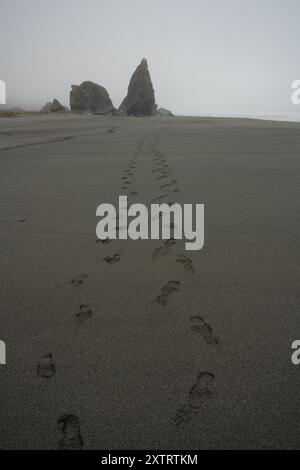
[[204, 56]]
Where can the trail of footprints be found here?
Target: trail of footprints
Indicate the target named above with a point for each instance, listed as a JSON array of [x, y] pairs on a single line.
[[68, 424], [203, 388], [162, 172]]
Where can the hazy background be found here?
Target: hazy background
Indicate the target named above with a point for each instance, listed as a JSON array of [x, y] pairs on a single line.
[[205, 56]]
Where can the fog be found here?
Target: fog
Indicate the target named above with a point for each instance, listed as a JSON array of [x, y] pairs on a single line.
[[204, 56]]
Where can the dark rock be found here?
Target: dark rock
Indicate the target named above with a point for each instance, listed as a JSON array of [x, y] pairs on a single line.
[[140, 99], [46, 108], [164, 113], [91, 97], [56, 107], [53, 107]]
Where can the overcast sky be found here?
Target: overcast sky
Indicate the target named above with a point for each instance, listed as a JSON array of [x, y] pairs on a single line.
[[204, 56]]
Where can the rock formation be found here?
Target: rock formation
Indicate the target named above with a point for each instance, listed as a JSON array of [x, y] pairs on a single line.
[[46, 108], [140, 98], [53, 107], [56, 106], [164, 112], [92, 97]]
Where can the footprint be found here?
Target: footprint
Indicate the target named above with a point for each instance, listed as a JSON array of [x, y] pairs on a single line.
[[85, 312], [22, 220], [168, 184], [203, 329], [46, 367], [70, 428], [166, 291], [186, 263], [112, 259], [158, 198], [106, 240], [165, 249], [201, 391], [133, 193], [162, 177], [78, 281], [183, 415]]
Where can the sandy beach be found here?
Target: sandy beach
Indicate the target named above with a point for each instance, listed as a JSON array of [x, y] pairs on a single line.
[[145, 344]]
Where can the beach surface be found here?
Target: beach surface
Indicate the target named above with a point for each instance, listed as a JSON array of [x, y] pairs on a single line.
[[142, 344]]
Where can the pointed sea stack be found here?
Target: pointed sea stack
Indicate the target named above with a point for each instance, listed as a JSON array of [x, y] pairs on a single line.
[[140, 100]]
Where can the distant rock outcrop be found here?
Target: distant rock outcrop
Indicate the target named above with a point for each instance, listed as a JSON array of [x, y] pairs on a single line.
[[164, 112], [92, 97], [46, 108], [140, 100], [56, 107], [53, 107]]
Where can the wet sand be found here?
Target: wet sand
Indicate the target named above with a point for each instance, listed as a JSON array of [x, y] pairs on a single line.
[[141, 344]]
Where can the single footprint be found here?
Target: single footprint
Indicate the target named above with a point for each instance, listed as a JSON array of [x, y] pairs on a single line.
[[165, 249], [166, 291], [162, 177], [168, 184], [133, 193], [46, 367], [186, 263], [203, 329], [85, 313], [112, 259], [77, 281], [22, 220], [106, 240], [70, 428], [200, 392]]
